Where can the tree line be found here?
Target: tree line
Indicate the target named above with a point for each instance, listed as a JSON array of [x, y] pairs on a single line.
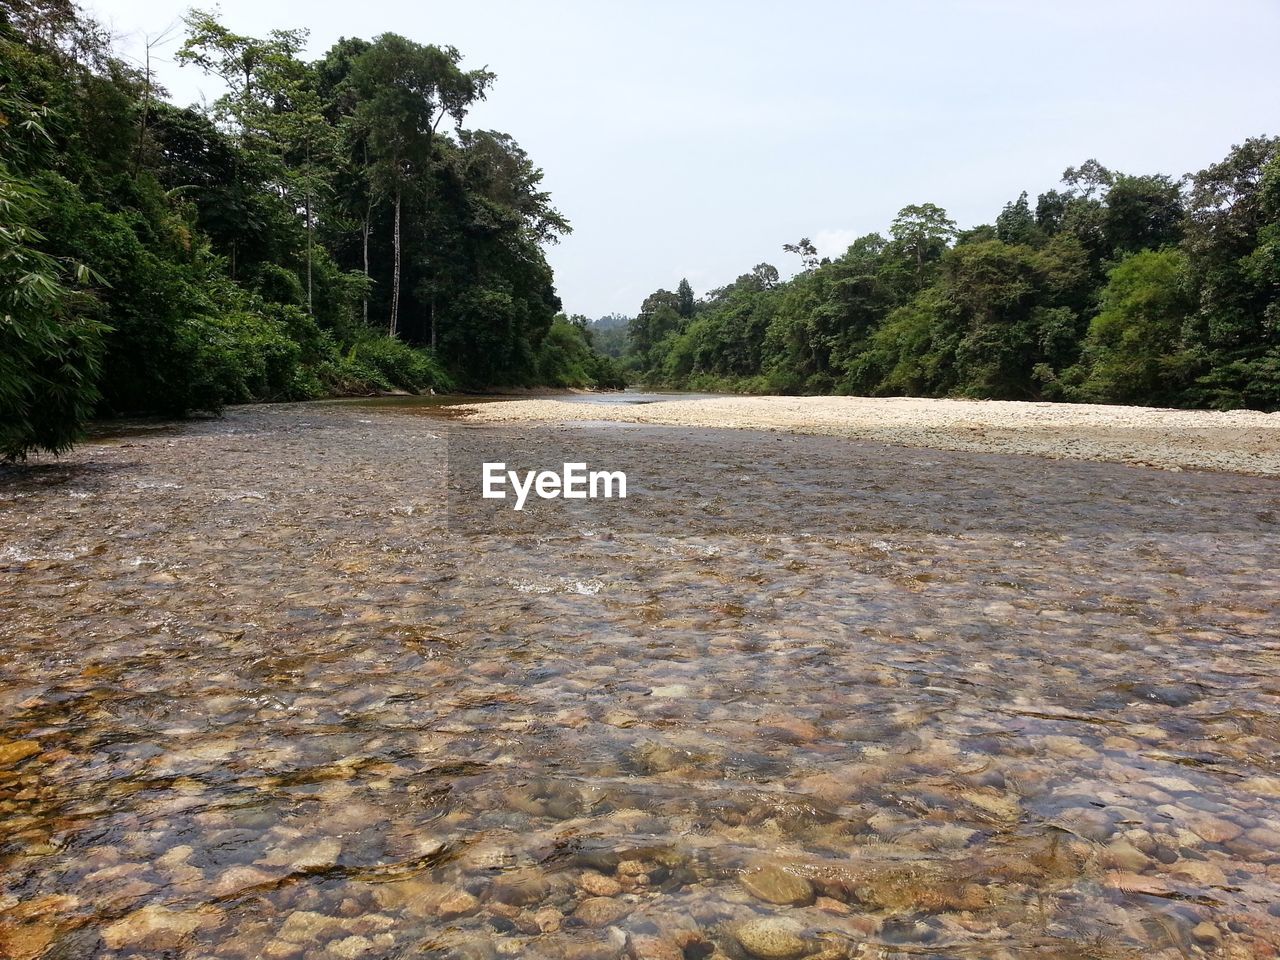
[[1113, 288], [324, 227]]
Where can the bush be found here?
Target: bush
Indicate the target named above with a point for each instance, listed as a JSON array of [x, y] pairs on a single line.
[[376, 363], [49, 345]]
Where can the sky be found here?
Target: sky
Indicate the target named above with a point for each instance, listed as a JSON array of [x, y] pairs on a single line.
[[693, 139]]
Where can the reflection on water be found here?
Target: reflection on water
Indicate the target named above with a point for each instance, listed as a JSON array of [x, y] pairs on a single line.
[[258, 701]]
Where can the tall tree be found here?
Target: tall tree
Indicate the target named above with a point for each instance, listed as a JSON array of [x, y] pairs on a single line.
[[923, 231], [407, 89], [685, 293]]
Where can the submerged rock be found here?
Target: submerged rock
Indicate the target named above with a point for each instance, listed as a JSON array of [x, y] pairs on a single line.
[[153, 928], [458, 904], [521, 888], [598, 885], [601, 911], [773, 884], [15, 751], [772, 938]]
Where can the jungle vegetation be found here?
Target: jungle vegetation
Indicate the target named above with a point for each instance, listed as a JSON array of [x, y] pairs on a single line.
[[324, 227], [1115, 288]]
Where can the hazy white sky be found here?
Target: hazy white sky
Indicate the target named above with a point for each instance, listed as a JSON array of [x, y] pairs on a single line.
[[694, 139]]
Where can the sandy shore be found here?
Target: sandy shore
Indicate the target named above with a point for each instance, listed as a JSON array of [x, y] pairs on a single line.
[[1239, 441]]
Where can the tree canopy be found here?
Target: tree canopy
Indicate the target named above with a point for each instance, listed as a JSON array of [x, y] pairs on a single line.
[[323, 227], [1113, 288]]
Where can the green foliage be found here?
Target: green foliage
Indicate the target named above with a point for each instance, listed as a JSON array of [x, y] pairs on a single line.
[[1134, 350], [249, 252], [566, 358], [49, 342], [380, 363], [1115, 288]]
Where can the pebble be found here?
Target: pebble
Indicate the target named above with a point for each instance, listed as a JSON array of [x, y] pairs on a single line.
[[1125, 856], [598, 885], [671, 691], [601, 911], [235, 879], [306, 857], [1206, 932], [831, 905], [772, 938], [303, 926], [548, 919], [349, 948], [521, 888], [153, 928], [1213, 829], [458, 904], [773, 884], [654, 948]]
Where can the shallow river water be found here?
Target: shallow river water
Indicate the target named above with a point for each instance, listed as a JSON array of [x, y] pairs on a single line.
[[277, 686]]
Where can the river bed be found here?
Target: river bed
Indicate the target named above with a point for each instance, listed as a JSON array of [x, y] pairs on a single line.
[[273, 686]]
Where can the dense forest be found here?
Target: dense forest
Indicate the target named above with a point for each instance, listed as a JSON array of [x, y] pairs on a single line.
[[331, 226], [322, 228], [1115, 288]]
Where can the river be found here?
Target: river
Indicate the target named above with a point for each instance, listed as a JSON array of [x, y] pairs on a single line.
[[274, 685]]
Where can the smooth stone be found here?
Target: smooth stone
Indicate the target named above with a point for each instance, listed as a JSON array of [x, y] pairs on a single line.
[[654, 948], [458, 904], [349, 948], [303, 926], [305, 857], [1125, 856], [235, 879], [548, 919], [1206, 932], [598, 885], [776, 885], [671, 691], [156, 927], [601, 911], [772, 938], [522, 888]]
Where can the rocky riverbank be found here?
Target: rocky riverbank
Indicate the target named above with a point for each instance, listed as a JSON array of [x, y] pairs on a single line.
[[1242, 441]]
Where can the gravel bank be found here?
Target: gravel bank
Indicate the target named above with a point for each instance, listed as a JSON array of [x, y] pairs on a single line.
[[1239, 441]]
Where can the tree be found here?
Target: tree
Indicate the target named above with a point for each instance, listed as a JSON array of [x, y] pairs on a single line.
[[685, 294], [407, 89], [1087, 179], [1142, 213], [923, 232], [1016, 223], [805, 250], [1133, 351], [766, 274]]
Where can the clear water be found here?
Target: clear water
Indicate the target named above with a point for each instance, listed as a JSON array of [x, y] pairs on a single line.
[[259, 698]]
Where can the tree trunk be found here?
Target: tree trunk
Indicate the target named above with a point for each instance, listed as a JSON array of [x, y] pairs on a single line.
[[368, 217], [310, 232], [368, 225], [433, 320], [146, 107], [395, 269]]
